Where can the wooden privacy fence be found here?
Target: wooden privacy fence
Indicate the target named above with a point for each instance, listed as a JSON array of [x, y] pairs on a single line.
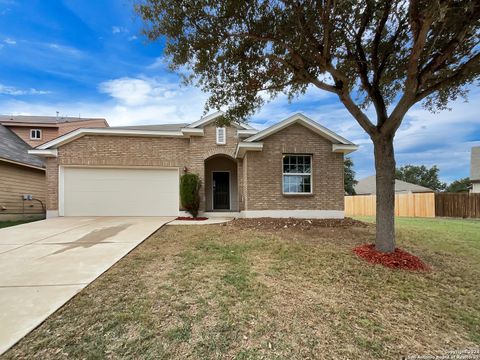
[[462, 205], [412, 205], [458, 205]]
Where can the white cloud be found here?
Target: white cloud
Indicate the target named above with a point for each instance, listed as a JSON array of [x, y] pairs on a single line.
[[157, 64], [10, 90], [132, 38], [63, 49], [131, 101], [129, 91], [119, 29], [9, 41]]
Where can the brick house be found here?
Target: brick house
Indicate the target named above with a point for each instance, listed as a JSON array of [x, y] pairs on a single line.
[[291, 169], [22, 175]]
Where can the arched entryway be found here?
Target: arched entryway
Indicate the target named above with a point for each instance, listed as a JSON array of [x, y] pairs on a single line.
[[221, 183]]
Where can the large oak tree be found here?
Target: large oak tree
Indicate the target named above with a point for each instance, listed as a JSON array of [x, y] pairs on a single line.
[[388, 54]]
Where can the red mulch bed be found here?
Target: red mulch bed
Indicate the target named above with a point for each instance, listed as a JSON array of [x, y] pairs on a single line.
[[191, 218], [399, 259]]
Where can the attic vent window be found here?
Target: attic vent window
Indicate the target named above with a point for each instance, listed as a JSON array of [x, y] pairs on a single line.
[[35, 134], [221, 136]]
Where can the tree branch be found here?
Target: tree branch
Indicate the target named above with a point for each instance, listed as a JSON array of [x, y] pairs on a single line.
[[420, 26], [302, 73], [439, 60], [357, 113], [378, 35], [462, 72]]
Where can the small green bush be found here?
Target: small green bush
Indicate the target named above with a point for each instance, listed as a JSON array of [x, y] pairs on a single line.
[[190, 193]]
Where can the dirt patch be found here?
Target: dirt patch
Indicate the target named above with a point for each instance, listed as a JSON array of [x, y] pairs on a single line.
[[298, 224], [399, 259]]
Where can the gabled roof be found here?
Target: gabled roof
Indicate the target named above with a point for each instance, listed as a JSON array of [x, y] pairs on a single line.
[[368, 186], [212, 117], [159, 127], [251, 143], [14, 149], [44, 120], [167, 130], [475, 164], [302, 120]]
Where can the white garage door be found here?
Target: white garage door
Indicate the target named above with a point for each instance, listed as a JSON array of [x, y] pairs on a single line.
[[120, 192]]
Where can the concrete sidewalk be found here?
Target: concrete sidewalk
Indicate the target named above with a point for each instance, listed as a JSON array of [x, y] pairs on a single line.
[[45, 263], [209, 221]]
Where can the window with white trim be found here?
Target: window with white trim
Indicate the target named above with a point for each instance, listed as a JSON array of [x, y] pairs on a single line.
[[221, 135], [297, 174], [35, 134]]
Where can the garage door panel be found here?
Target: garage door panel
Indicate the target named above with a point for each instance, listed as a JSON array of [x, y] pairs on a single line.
[[120, 192]]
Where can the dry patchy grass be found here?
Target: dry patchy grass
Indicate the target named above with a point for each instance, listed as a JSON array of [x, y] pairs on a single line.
[[250, 292]]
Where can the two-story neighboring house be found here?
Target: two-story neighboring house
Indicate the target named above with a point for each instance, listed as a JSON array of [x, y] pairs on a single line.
[[475, 169], [22, 175], [36, 130]]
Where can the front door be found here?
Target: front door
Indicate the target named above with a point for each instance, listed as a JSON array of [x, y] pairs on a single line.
[[221, 190]]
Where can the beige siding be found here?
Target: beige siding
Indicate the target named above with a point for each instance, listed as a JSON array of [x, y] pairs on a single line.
[[15, 181]]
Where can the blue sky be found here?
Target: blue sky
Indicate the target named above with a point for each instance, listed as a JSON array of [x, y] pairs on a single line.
[[88, 59]]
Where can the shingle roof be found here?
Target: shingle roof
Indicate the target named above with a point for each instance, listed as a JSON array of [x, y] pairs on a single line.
[[15, 149], [41, 119], [159, 127], [475, 164], [368, 186]]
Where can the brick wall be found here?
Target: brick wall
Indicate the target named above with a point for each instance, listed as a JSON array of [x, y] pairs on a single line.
[[259, 173], [51, 167], [101, 150], [202, 148], [264, 173]]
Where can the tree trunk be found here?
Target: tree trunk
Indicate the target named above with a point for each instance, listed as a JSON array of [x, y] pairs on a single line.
[[385, 184]]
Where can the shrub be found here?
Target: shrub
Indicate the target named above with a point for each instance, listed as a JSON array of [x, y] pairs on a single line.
[[189, 193]]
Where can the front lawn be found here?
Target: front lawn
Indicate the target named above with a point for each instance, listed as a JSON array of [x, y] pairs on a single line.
[[260, 290], [8, 223]]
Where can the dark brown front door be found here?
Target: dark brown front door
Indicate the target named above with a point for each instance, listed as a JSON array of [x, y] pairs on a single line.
[[221, 190]]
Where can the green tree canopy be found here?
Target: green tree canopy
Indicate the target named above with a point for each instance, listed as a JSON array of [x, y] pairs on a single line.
[[460, 185], [421, 175], [349, 176]]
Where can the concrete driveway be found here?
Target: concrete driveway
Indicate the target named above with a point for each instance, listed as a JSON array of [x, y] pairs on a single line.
[[45, 263]]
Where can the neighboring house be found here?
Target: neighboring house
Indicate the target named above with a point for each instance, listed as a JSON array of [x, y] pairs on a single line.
[[36, 130], [22, 175], [291, 169], [475, 169], [367, 186]]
